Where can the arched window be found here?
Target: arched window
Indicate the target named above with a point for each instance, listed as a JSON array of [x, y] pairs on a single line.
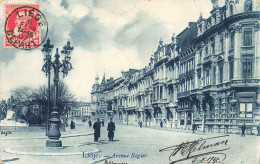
[[248, 6], [231, 10]]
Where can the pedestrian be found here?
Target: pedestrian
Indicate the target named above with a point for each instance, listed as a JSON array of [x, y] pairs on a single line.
[[111, 128], [96, 127], [141, 124], [72, 125], [243, 127], [194, 127], [258, 129], [161, 124], [89, 123], [103, 123]]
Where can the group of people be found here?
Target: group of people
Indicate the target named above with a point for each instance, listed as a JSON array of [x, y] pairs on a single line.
[[97, 125]]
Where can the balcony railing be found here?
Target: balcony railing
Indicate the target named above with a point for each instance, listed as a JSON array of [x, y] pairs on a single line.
[[227, 121], [208, 58], [245, 82], [186, 74], [183, 94]]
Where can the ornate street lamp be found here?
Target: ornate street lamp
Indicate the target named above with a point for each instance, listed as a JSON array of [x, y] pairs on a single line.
[[47, 50], [54, 132]]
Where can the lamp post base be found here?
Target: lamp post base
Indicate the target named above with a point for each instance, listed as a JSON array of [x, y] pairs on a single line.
[[53, 143], [54, 131]]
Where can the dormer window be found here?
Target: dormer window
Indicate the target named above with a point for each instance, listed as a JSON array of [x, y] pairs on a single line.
[[231, 10], [200, 27], [248, 6]]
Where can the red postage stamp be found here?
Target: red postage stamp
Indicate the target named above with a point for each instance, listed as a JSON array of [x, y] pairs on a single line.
[[25, 26]]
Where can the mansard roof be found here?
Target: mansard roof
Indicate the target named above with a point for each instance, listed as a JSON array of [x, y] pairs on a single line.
[[186, 37]]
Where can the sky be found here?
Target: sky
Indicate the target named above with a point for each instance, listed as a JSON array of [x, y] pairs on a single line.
[[109, 36]]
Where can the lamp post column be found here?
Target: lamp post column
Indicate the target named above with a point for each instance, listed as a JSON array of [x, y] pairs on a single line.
[[54, 132], [49, 95]]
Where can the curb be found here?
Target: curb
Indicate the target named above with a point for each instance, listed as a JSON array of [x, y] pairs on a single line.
[[9, 150], [44, 137]]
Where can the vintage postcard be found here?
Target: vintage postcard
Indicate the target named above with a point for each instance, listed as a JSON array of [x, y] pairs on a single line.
[[129, 82]]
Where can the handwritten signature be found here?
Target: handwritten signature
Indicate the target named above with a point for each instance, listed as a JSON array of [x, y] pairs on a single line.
[[208, 150]]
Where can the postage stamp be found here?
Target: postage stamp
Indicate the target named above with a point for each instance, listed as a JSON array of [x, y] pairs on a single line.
[[25, 26]]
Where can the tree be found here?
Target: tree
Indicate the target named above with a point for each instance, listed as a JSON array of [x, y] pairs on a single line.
[[64, 96], [24, 97], [21, 98]]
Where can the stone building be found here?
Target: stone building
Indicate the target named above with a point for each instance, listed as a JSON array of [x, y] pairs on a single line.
[[209, 75], [80, 109]]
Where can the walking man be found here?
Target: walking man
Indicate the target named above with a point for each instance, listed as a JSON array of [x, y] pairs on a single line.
[[258, 129], [111, 128], [243, 127], [194, 127], [89, 123], [161, 124], [96, 127]]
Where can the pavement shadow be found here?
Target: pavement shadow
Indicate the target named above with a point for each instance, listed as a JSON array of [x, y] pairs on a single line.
[[13, 159], [100, 142]]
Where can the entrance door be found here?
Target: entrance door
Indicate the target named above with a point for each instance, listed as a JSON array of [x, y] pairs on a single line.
[[189, 118]]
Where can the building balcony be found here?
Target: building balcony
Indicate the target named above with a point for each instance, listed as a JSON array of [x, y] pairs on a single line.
[[160, 61], [209, 88], [172, 105], [209, 59], [121, 107], [183, 94], [245, 83], [186, 74], [157, 81], [150, 89], [148, 107], [229, 121], [195, 91], [172, 81], [161, 101]]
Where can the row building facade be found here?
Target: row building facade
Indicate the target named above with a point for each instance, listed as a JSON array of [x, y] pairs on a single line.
[[209, 75]]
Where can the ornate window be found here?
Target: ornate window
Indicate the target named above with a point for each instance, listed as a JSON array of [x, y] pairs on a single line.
[[232, 40], [231, 69], [213, 48], [206, 51], [248, 37], [221, 44], [246, 110], [247, 66], [214, 74], [200, 57], [248, 6], [221, 73]]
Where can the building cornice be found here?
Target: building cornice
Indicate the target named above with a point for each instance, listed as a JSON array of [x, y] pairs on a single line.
[[226, 23]]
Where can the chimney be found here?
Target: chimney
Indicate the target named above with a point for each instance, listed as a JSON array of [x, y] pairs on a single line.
[[214, 3]]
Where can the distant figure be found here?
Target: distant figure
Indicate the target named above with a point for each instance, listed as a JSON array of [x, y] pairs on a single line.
[[194, 127], [258, 129], [72, 125], [89, 123], [96, 127], [103, 123], [161, 124], [111, 128], [243, 127], [141, 124]]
